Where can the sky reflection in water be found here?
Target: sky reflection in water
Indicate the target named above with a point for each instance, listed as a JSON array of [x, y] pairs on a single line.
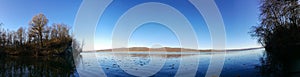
[[237, 63]]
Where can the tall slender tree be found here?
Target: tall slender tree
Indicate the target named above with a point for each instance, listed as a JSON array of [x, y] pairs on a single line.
[[20, 34], [54, 33], [47, 32], [1, 37], [37, 24]]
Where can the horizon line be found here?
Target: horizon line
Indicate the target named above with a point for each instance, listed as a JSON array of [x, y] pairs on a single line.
[[258, 47]]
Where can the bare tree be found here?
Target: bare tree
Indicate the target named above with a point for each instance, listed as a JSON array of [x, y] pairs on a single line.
[[9, 38], [31, 35], [54, 32], [47, 32], [38, 23], [20, 34], [279, 23], [56, 38], [3, 38], [2, 35], [15, 40], [63, 31]]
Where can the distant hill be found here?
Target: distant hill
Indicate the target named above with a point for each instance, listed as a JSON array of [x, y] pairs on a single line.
[[170, 49]]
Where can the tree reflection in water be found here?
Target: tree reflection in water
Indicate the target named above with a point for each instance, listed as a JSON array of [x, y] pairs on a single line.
[[280, 63], [46, 66]]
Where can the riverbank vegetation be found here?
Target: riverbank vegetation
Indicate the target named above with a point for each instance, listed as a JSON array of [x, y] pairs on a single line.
[[279, 27], [36, 40], [279, 33]]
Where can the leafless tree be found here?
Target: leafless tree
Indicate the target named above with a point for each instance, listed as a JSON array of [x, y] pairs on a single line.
[[21, 34], [279, 22], [47, 32], [56, 38], [60, 31], [54, 32], [37, 24]]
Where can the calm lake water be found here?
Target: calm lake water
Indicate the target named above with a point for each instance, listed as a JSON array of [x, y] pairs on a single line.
[[160, 64], [46, 66], [122, 64]]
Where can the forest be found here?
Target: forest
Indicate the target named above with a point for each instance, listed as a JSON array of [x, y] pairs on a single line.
[[279, 33], [279, 27], [37, 40]]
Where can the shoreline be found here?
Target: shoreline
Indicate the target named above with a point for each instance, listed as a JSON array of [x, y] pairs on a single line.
[[169, 49]]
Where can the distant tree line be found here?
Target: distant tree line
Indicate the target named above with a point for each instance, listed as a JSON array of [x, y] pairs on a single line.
[[38, 39], [279, 26]]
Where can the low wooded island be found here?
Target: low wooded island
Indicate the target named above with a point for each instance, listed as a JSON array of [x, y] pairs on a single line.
[[38, 40]]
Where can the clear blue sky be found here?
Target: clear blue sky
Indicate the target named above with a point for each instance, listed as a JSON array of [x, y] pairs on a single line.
[[238, 16]]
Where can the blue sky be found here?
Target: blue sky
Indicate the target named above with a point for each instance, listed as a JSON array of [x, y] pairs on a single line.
[[238, 16]]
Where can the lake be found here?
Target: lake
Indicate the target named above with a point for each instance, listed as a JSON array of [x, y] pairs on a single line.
[[46, 66], [246, 63], [166, 64]]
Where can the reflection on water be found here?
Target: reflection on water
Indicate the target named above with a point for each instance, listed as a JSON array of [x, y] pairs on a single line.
[[280, 65], [122, 64], [17, 66], [248, 63]]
